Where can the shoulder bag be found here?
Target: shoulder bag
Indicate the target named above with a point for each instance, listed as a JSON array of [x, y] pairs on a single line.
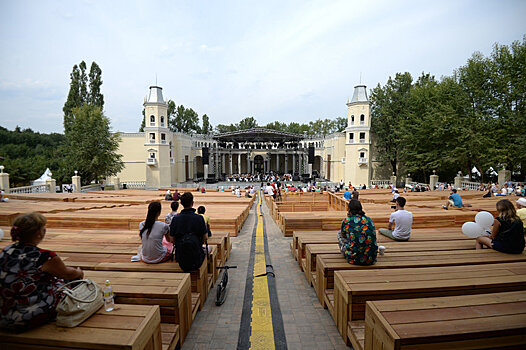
[[78, 303]]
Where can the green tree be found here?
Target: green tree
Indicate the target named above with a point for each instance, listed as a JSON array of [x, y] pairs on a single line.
[[247, 123], [82, 91], [95, 97], [276, 126], [222, 128], [186, 120], [90, 146], [207, 127], [143, 123], [340, 123], [389, 113]]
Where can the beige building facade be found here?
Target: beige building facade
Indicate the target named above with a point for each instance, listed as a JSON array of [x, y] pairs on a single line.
[[160, 158]]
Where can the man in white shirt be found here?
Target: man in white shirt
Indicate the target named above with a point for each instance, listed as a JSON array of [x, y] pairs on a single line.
[[269, 190], [402, 220]]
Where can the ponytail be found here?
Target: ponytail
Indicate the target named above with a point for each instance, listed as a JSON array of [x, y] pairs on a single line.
[[154, 209]]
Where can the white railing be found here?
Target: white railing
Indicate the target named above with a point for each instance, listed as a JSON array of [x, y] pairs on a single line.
[[152, 123], [380, 182], [362, 160], [362, 140], [163, 142], [134, 184], [152, 141], [470, 185], [151, 161], [89, 188], [30, 189]]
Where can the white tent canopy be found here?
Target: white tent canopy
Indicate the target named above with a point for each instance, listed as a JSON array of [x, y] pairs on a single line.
[[42, 180]]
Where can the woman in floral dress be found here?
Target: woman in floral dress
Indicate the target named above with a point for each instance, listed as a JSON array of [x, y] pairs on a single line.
[[30, 276], [357, 237]]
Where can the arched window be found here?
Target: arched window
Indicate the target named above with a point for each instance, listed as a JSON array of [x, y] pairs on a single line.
[[362, 119], [352, 119], [152, 137], [162, 121], [152, 120]]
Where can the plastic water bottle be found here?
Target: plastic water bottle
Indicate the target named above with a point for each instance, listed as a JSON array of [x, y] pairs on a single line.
[[109, 303]]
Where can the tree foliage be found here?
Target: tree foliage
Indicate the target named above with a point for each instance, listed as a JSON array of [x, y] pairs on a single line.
[[185, 120], [90, 146], [474, 118], [206, 128], [27, 154], [83, 89]]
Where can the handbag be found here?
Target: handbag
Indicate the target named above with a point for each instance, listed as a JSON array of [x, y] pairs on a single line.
[[78, 303]]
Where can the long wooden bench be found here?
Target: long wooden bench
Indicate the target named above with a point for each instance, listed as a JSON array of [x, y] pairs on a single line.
[[313, 249], [354, 287], [130, 327], [171, 291], [486, 321], [327, 264], [115, 262], [418, 235]]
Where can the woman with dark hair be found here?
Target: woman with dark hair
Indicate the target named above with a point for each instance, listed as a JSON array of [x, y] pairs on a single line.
[[155, 236], [30, 276], [507, 235], [357, 236]]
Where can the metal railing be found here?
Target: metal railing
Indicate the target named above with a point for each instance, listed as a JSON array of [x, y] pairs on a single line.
[[134, 184], [470, 185], [362, 160], [30, 189], [380, 182]]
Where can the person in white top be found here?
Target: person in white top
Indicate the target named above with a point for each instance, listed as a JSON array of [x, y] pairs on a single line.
[[155, 236], [269, 190], [402, 220]]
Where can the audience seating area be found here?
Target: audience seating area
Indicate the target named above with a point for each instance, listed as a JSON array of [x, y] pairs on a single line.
[[434, 291], [98, 231]]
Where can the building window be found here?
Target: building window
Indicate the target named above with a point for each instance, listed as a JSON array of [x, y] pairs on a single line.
[[152, 155], [152, 137], [152, 120], [362, 137], [351, 137], [163, 138], [362, 119], [362, 154], [162, 122], [352, 119]]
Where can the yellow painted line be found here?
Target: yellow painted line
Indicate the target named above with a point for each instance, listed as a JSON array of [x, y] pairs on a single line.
[[262, 334]]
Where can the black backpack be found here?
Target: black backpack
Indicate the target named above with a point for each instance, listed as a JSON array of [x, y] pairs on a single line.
[[189, 252]]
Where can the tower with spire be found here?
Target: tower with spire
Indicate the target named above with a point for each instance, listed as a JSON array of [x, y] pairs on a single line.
[[358, 141], [158, 140]]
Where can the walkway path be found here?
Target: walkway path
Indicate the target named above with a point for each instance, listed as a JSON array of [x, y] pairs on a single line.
[[307, 325]]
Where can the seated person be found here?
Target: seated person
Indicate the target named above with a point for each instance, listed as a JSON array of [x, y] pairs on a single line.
[[455, 200], [402, 219], [168, 196], [357, 236], [355, 194], [155, 236], [201, 210], [347, 194], [521, 210], [396, 194], [30, 276], [507, 235], [168, 217]]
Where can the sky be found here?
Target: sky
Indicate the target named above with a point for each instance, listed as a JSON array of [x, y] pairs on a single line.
[[272, 60]]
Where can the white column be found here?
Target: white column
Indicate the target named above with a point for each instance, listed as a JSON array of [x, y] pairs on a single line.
[[75, 181], [248, 164], [4, 180], [230, 163], [286, 163], [223, 166], [205, 169], [239, 163], [293, 163], [277, 163]]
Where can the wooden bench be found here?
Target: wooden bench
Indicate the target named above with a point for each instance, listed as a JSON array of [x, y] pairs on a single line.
[[171, 291], [327, 264], [132, 327], [312, 249], [476, 321], [353, 288], [116, 262]]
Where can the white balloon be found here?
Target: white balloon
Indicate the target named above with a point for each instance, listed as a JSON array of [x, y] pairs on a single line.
[[472, 229], [1, 234], [484, 219]]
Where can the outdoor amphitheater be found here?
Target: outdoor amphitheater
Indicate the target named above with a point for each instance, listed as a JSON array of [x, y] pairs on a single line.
[[434, 291]]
